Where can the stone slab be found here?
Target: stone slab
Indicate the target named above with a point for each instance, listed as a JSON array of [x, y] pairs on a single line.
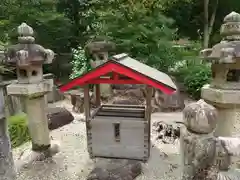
[[220, 96], [30, 89], [115, 169]]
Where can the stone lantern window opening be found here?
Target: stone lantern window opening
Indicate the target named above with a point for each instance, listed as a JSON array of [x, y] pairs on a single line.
[[101, 56], [233, 75], [23, 73], [34, 73]]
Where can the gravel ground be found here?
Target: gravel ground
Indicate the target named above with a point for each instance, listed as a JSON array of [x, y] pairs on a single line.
[[73, 163]]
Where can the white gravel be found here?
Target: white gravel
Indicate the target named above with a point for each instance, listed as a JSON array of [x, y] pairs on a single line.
[[73, 163]]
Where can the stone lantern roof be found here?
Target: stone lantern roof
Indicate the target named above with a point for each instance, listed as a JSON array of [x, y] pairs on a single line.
[[26, 52], [100, 46], [228, 50]]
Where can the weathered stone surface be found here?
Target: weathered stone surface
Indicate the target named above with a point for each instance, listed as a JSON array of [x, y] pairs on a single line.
[[173, 102], [77, 100], [115, 170], [128, 94], [58, 117], [206, 157]]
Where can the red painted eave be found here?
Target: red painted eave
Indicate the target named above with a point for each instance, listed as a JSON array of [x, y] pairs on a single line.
[[110, 66]]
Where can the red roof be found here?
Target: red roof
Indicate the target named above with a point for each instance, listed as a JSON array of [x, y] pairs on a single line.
[[137, 73]]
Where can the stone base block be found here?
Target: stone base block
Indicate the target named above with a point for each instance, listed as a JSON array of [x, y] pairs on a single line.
[[29, 156], [221, 97], [227, 119], [36, 89]]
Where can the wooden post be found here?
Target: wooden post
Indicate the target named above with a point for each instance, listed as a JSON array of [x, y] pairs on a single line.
[[87, 102], [87, 119], [149, 91], [148, 103], [7, 169], [97, 95]]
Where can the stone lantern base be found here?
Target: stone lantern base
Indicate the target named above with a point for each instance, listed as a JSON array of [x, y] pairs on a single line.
[[33, 96], [227, 103]]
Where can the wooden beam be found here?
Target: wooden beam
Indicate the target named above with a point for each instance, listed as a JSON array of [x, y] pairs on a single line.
[[97, 95], [87, 102], [115, 76], [112, 81]]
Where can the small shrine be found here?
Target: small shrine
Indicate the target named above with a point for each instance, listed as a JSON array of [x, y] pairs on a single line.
[[224, 90], [114, 130]]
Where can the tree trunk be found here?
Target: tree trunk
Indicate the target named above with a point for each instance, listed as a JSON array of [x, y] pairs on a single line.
[[206, 25], [212, 20], [7, 169]]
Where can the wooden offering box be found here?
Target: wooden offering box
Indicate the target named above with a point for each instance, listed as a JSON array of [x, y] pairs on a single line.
[[120, 131]]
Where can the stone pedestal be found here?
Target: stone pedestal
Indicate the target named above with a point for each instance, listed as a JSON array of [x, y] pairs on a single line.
[[228, 105], [38, 124], [227, 119], [34, 100]]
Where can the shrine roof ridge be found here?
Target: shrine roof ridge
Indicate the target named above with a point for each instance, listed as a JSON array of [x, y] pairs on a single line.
[[123, 64]]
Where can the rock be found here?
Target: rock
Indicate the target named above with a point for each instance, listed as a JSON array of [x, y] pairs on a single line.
[[138, 93], [58, 117], [128, 101], [127, 86], [171, 102], [77, 100], [116, 169], [128, 94]]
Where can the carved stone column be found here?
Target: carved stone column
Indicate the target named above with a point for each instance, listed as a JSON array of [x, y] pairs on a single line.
[[7, 169]]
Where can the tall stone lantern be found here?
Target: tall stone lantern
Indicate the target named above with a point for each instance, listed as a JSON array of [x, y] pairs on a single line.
[[100, 52], [29, 58], [224, 91]]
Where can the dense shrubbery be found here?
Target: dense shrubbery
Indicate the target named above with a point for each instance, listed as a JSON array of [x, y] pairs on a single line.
[[195, 78], [18, 130], [192, 71], [80, 63]]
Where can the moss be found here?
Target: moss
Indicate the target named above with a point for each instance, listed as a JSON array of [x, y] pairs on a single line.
[[18, 129]]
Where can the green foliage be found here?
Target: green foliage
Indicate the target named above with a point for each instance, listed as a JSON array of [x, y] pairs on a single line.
[[189, 16], [80, 63], [80, 13], [139, 29], [191, 71], [195, 77], [18, 130], [52, 29]]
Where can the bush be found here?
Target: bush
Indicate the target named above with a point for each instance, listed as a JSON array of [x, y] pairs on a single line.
[[80, 63], [139, 29], [196, 77], [18, 130]]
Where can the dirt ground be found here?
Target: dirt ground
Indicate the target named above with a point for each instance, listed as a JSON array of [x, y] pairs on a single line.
[[73, 163]]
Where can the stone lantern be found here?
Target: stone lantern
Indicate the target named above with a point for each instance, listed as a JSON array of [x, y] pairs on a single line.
[[31, 87], [100, 52], [224, 91]]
